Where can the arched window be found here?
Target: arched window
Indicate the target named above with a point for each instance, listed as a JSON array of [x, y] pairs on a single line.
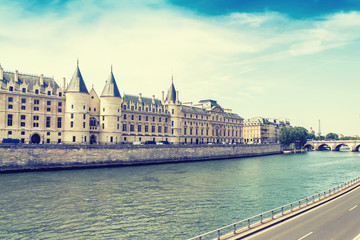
[[93, 123]]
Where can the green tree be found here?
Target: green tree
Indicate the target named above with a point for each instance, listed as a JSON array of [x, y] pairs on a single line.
[[331, 136], [297, 135], [300, 135], [286, 136]]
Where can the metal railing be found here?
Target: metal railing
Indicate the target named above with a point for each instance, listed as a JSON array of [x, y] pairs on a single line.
[[266, 217]]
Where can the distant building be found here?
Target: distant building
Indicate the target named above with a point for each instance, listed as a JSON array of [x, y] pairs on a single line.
[[263, 130], [35, 109]]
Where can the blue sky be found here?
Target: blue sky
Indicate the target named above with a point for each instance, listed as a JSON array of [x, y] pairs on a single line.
[[281, 59]]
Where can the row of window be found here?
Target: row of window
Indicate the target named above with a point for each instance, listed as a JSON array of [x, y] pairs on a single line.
[[146, 109], [146, 128], [35, 119], [37, 91], [217, 132], [140, 118], [214, 118], [23, 133], [36, 101]]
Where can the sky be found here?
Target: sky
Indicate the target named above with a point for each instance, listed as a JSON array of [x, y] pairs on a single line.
[[294, 59]]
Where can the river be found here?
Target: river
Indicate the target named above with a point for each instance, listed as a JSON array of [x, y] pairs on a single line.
[[167, 201]]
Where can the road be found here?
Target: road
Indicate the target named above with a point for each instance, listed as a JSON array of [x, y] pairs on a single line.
[[338, 219]]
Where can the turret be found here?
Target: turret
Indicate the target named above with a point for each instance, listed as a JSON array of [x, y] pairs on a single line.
[[110, 112], [174, 107], [171, 95], [77, 110]]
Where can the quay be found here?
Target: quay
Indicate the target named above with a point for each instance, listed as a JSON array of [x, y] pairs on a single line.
[[26, 157]]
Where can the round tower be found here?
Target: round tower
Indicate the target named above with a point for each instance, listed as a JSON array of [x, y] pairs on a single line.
[[76, 129], [174, 107], [110, 112]]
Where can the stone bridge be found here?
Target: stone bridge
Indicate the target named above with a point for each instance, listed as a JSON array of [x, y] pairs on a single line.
[[334, 145]]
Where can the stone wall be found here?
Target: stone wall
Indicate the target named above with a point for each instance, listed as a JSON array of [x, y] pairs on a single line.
[[23, 157]]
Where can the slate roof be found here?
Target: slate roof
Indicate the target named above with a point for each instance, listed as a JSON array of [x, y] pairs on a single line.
[[171, 95], [196, 110], [111, 89], [77, 83], [145, 100], [30, 81]]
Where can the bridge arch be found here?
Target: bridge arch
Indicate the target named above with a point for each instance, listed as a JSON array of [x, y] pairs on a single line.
[[309, 147], [324, 147], [337, 148], [356, 148]]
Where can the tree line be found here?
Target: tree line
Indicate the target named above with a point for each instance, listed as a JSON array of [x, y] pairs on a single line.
[[300, 136]]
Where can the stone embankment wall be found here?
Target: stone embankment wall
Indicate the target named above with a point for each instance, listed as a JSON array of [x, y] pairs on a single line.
[[21, 157]]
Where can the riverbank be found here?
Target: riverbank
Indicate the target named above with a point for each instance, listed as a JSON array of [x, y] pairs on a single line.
[[24, 157]]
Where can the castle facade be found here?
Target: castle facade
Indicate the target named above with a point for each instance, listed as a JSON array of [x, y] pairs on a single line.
[[35, 109]]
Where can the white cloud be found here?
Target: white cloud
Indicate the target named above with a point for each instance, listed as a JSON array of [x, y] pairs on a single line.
[[230, 58]]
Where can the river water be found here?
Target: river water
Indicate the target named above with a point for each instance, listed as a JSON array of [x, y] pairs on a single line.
[[169, 201]]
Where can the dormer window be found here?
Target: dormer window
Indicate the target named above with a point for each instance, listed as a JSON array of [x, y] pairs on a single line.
[[49, 93], [60, 94], [37, 91], [24, 90], [11, 89]]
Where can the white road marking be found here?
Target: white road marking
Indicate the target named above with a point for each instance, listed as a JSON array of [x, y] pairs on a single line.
[[353, 208], [357, 237], [305, 235]]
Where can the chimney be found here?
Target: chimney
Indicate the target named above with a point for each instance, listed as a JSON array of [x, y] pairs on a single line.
[[162, 96], [153, 99], [140, 97], [64, 84], [41, 79], [16, 76]]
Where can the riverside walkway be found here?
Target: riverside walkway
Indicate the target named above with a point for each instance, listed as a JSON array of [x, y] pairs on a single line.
[[333, 214]]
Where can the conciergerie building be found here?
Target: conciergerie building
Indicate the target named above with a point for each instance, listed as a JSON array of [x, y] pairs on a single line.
[[35, 109]]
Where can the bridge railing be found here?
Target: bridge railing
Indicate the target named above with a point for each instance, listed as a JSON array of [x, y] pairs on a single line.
[[276, 213]]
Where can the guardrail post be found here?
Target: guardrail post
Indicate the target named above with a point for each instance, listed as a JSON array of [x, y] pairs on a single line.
[[306, 201], [272, 214], [329, 192], [313, 198], [234, 228], [299, 204], [261, 218], [319, 196], [282, 211], [218, 234], [291, 207], [248, 223]]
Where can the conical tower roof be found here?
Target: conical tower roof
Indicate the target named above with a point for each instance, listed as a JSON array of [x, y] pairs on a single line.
[[77, 83], [111, 89], [171, 95]]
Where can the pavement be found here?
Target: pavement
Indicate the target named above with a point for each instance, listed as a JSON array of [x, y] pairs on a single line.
[[336, 219]]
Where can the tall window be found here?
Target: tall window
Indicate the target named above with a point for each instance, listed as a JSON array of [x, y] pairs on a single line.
[[124, 127], [139, 128], [48, 122], [59, 122], [10, 120], [153, 129]]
